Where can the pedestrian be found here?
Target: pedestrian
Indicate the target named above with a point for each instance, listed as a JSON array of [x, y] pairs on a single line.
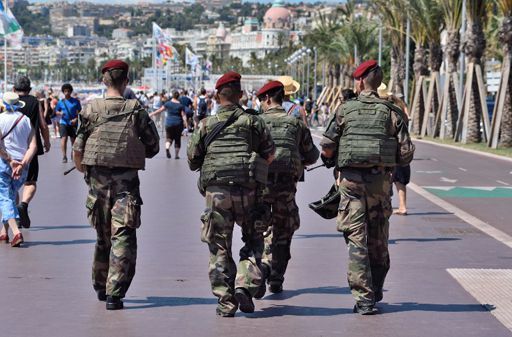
[[17, 148], [34, 111], [324, 112], [68, 110], [157, 104], [188, 105], [371, 137], [55, 116], [175, 122], [114, 139], [231, 150], [292, 108], [294, 150], [200, 107]]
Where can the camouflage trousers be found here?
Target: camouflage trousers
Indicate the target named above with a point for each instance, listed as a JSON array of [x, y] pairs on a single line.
[[225, 206], [285, 221], [113, 209], [364, 211]]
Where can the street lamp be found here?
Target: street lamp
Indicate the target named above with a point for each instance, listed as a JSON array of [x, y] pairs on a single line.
[[304, 55], [308, 51], [314, 71]]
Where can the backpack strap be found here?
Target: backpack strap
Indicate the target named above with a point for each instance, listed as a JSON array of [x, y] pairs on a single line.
[[391, 106], [18, 120]]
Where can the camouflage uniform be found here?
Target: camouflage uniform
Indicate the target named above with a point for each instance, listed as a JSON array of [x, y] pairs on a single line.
[[227, 203], [365, 206], [280, 195], [114, 203]]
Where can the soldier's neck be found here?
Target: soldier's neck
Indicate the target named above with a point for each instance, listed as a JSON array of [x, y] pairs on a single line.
[[113, 92]]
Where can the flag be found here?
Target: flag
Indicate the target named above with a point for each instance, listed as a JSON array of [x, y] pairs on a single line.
[[8, 23], [164, 49], [190, 58]]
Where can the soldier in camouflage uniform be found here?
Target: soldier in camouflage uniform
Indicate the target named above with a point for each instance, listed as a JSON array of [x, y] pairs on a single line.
[[114, 139], [366, 138], [232, 150], [294, 149]]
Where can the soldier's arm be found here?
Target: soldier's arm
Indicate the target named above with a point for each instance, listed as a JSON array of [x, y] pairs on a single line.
[[307, 147], [331, 135], [266, 147], [148, 133], [81, 138], [196, 150], [406, 148]]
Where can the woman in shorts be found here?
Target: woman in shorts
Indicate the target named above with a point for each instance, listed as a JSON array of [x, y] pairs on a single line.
[[17, 148], [175, 122]]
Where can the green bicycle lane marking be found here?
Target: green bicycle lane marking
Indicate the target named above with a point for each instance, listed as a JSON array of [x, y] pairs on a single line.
[[471, 192]]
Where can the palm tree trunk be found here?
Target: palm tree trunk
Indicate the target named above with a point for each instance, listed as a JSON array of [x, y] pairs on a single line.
[[474, 47], [453, 52], [506, 121], [420, 69], [397, 70], [337, 73]]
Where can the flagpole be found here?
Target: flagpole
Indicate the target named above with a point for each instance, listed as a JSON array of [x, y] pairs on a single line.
[[5, 52]]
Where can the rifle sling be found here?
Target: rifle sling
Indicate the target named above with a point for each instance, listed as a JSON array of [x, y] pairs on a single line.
[[217, 129]]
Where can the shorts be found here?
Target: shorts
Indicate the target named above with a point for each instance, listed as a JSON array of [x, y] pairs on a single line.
[[67, 131], [33, 170], [402, 174], [173, 133]]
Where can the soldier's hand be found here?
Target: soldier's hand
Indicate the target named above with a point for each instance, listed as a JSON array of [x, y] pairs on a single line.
[[329, 162]]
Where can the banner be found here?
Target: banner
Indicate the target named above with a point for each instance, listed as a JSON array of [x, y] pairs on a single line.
[[164, 50], [8, 23], [191, 59]]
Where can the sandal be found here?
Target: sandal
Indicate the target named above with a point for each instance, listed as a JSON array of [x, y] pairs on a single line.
[[4, 237], [397, 212]]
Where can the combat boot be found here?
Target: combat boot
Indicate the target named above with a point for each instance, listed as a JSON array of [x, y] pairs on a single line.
[[244, 299], [114, 303], [102, 295], [275, 287], [378, 296], [365, 308], [224, 314]]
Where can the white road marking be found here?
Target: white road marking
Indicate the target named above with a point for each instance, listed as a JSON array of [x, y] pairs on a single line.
[[463, 169], [429, 172], [488, 287], [434, 159], [502, 182], [470, 219], [446, 180]]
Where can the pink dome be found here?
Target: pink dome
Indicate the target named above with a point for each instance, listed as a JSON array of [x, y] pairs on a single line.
[[277, 16]]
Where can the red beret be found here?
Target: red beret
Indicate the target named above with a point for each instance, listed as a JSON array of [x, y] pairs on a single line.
[[228, 77], [364, 68], [114, 64], [269, 86]]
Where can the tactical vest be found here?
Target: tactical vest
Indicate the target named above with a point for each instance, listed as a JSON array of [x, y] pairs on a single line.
[[366, 140], [284, 130], [230, 158], [113, 140]]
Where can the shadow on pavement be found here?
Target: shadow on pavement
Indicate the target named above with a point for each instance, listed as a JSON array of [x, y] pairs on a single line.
[[427, 213], [156, 302], [43, 228], [292, 310], [395, 241], [330, 290], [313, 236], [57, 243], [414, 306]]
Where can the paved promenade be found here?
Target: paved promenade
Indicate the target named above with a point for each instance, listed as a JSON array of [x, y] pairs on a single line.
[[437, 285]]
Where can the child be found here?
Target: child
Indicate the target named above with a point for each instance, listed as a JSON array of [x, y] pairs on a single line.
[[18, 146]]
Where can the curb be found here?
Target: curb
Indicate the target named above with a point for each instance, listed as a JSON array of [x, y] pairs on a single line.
[[490, 155]]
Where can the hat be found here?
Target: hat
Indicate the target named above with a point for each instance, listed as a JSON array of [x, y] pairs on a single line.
[[382, 91], [364, 68], [114, 64], [268, 87], [11, 101], [229, 77], [290, 86]]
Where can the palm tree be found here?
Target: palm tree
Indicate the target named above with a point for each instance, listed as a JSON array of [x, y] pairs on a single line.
[[505, 37], [474, 47], [452, 14], [393, 15]]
